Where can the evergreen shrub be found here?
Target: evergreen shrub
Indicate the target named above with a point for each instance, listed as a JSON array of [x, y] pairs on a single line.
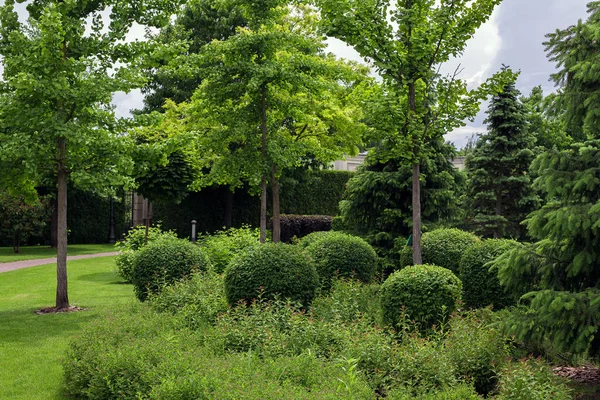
[[445, 247], [342, 255], [222, 246], [133, 241], [271, 270], [481, 287], [165, 261], [315, 236], [426, 294], [301, 225]]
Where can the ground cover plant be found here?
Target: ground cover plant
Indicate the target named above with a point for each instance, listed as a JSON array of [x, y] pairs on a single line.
[[38, 252], [31, 346]]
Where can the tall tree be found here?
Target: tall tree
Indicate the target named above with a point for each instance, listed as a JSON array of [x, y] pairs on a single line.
[[407, 41], [61, 69], [269, 96], [499, 188], [544, 122], [559, 273]]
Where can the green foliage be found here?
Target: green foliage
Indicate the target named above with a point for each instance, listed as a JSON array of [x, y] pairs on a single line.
[[222, 246], [309, 239], [477, 348], [445, 247], [542, 121], [560, 270], [133, 241], [531, 379], [314, 192], [426, 294], [163, 262], [342, 255], [458, 392], [499, 191], [19, 219], [196, 302], [481, 287], [297, 226], [271, 270]]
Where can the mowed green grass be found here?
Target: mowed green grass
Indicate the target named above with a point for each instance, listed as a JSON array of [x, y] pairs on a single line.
[[7, 254], [31, 345]]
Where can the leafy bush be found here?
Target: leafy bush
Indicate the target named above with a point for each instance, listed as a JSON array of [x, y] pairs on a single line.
[[342, 255], [477, 348], [301, 225], [271, 270], [349, 301], [20, 219], [165, 261], [532, 380], [133, 241], [481, 287], [445, 247], [197, 301], [458, 392], [427, 294], [222, 246], [314, 236]]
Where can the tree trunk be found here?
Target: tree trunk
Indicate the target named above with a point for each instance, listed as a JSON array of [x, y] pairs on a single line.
[[62, 296], [263, 182], [53, 225], [276, 211], [228, 209], [416, 202], [16, 243]]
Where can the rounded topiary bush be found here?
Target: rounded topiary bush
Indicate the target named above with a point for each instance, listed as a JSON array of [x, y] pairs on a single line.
[[315, 236], [271, 270], [426, 294], [481, 287], [342, 255], [165, 261], [445, 247]]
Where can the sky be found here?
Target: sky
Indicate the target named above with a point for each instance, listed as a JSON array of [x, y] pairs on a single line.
[[513, 36]]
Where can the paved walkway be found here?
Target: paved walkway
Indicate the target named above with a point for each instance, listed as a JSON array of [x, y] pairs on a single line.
[[11, 266]]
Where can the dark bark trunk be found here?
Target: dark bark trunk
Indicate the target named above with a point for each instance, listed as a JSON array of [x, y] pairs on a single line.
[[228, 209], [16, 243], [416, 201], [62, 296], [263, 182], [54, 225], [276, 210]]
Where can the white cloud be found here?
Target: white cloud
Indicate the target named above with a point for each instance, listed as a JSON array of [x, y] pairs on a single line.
[[461, 135]]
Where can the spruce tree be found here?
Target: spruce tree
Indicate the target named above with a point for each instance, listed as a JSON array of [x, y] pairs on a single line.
[[560, 273], [499, 194]]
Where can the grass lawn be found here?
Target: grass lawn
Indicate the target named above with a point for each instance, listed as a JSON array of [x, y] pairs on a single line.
[[36, 252], [31, 345]]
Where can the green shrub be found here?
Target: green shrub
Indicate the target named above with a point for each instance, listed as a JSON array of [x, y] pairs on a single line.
[[134, 241], [445, 247], [222, 246], [309, 239], [426, 294], [458, 392], [197, 301], [349, 301], [481, 287], [532, 380], [271, 270], [301, 225], [477, 348], [165, 261], [342, 255]]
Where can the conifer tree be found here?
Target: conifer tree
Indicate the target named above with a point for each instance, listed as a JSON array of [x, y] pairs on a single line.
[[499, 193], [560, 273]]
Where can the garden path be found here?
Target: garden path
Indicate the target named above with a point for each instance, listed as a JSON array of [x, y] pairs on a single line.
[[11, 266]]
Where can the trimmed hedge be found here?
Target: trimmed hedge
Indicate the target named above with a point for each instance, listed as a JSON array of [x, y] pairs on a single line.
[[271, 270], [301, 225], [313, 237], [445, 247], [163, 262], [341, 255], [427, 294], [481, 287]]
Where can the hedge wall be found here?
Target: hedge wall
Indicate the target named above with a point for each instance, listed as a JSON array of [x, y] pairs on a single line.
[[309, 193]]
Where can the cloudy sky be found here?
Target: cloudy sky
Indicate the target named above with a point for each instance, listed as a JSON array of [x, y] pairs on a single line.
[[513, 36]]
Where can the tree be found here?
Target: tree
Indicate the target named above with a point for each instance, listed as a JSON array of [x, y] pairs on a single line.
[[407, 41], [59, 77], [559, 273], [543, 122], [499, 192], [21, 220], [269, 96]]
